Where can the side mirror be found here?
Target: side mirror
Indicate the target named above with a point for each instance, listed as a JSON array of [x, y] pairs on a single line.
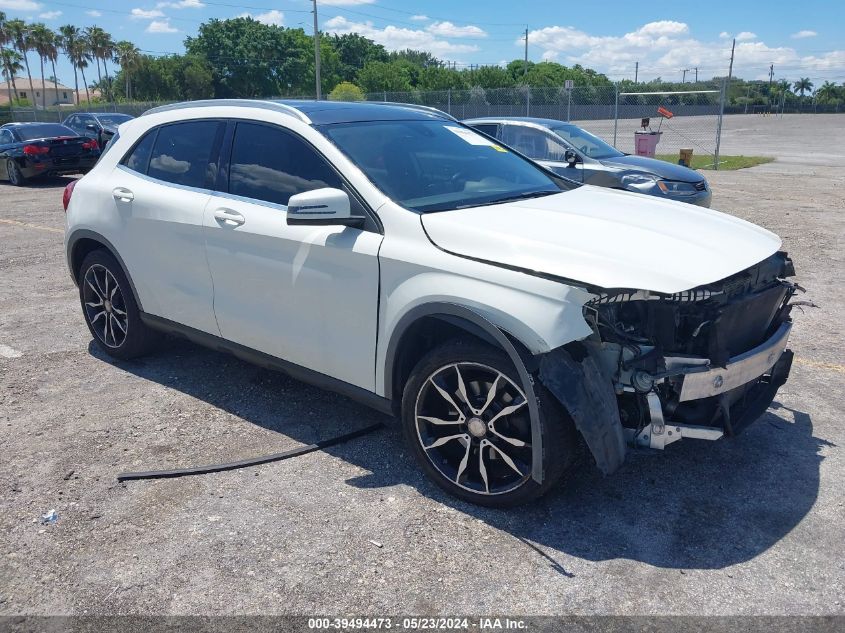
[[570, 157], [321, 207]]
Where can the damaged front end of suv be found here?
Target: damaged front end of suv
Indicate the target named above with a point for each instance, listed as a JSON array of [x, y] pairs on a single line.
[[702, 364]]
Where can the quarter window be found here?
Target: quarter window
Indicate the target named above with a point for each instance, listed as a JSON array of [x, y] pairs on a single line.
[[271, 165], [182, 153], [139, 158], [6, 137]]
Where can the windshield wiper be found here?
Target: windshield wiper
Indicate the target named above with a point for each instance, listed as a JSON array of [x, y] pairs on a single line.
[[523, 196]]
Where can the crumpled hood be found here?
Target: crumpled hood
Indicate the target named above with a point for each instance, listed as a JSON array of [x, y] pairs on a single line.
[[661, 168], [606, 238]]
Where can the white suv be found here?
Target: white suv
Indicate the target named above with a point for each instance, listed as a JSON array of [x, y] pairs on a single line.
[[388, 252]]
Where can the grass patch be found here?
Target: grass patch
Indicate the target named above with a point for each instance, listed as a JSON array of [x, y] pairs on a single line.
[[725, 162]]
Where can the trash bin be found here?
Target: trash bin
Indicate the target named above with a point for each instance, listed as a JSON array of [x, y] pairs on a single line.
[[645, 142]]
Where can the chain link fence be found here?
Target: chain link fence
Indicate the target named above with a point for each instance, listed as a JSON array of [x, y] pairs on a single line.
[[603, 110]]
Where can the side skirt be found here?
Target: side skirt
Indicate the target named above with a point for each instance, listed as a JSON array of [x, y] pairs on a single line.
[[261, 359]]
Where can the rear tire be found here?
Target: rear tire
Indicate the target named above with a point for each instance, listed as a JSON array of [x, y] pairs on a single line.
[[14, 174], [110, 310], [481, 452]]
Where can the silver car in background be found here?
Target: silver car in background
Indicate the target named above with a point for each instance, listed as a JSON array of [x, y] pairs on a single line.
[[578, 155]]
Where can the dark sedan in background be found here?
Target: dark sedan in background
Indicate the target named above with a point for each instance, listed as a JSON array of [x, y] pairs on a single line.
[[28, 150], [99, 125], [578, 155]]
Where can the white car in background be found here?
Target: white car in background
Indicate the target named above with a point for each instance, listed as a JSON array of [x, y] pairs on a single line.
[[390, 253]]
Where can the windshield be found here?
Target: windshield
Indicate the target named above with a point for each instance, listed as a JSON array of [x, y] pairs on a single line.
[[586, 143], [47, 130], [436, 165], [113, 119]]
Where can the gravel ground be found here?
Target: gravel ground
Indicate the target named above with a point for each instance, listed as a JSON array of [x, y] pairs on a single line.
[[743, 526]]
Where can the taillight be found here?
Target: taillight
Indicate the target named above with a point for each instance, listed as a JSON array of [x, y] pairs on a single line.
[[35, 150], [68, 193], [92, 144]]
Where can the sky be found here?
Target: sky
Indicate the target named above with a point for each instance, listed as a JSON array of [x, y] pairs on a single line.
[[801, 39]]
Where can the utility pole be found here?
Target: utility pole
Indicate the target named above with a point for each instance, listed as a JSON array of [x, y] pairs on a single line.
[[771, 78], [636, 71], [731, 67], [685, 71], [696, 74], [316, 52], [525, 66]]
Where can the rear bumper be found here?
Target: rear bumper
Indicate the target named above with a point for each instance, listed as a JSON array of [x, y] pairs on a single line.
[[56, 166]]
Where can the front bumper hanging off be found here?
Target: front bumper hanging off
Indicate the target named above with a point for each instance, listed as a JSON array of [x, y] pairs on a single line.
[[768, 365]]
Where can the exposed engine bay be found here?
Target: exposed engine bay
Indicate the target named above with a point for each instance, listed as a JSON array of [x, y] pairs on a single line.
[[701, 363]]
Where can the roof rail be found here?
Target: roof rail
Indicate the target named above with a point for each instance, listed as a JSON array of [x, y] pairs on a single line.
[[250, 103], [414, 106]]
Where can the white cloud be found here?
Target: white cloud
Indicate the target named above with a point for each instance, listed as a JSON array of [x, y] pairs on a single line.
[[94, 13], [663, 48], [420, 18], [344, 3], [724, 35], [271, 18], [746, 36], [20, 5], [144, 14], [800, 35], [161, 26], [181, 4], [397, 38], [447, 29], [49, 15]]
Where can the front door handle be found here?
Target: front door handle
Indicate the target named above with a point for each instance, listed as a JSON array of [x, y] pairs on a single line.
[[229, 217], [123, 194]]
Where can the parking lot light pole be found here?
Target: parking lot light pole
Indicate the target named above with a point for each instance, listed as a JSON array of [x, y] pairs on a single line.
[[316, 52]]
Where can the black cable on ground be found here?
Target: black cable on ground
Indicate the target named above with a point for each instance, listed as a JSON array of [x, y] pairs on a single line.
[[255, 461]]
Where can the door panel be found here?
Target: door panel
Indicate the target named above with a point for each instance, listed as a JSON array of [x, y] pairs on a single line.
[[306, 294]]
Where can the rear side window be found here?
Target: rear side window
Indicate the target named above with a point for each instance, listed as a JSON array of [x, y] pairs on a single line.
[[182, 153], [139, 158], [271, 165], [6, 137], [487, 128]]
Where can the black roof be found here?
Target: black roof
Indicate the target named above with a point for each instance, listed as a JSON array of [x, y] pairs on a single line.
[[324, 112]]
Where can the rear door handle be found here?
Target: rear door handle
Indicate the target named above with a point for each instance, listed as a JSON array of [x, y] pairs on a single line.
[[229, 217], [123, 194]]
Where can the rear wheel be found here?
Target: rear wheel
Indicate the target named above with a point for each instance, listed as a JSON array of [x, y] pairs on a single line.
[[14, 173], [466, 419], [110, 310]]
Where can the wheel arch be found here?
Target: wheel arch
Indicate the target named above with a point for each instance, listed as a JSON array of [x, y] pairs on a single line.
[[439, 321], [84, 241]]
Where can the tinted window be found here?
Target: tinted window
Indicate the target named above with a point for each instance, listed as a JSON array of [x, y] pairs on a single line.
[[182, 153], [139, 158], [46, 130], [114, 119], [534, 143], [272, 165], [487, 128], [6, 137], [587, 143]]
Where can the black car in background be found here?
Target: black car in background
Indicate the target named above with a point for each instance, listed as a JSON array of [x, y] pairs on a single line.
[[578, 155], [28, 150], [99, 125]]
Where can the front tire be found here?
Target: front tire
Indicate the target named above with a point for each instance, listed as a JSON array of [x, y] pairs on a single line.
[[110, 309], [14, 174], [465, 418]]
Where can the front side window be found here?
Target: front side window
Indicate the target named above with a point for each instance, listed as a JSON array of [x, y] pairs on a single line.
[[182, 153], [534, 143], [436, 165], [271, 165], [586, 143]]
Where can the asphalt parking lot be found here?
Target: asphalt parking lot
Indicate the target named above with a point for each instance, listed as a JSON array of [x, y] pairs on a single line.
[[750, 525]]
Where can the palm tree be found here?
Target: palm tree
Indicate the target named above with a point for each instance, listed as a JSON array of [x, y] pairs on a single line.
[[69, 37], [18, 33], [126, 54], [10, 64], [100, 47], [803, 85], [52, 50], [41, 39], [827, 92], [4, 34]]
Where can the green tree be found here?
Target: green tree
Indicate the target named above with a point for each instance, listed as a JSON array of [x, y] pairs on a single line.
[[43, 42], [126, 56], [437, 78], [10, 64], [386, 77], [346, 91], [18, 34], [353, 52], [490, 77], [803, 85], [422, 59], [76, 50]]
